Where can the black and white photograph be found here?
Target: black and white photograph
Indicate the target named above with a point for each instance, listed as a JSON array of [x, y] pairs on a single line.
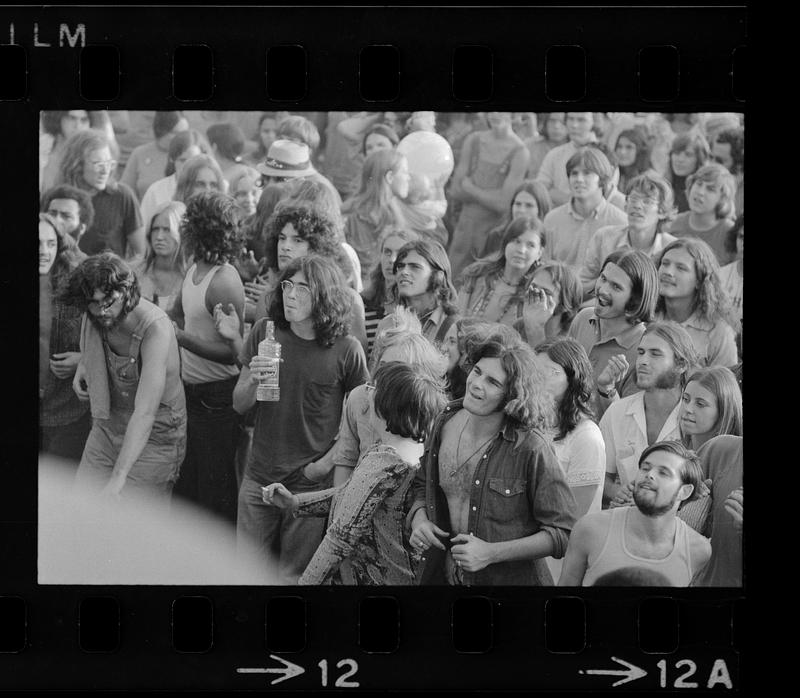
[[411, 348]]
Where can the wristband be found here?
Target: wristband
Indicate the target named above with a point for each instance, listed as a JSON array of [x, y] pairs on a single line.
[[611, 392]]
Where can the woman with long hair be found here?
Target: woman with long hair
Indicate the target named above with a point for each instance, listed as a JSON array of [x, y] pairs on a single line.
[[384, 179], [691, 294], [530, 200], [88, 164], [64, 420], [633, 156], [164, 266], [711, 405], [688, 153], [577, 440], [182, 148], [495, 287]]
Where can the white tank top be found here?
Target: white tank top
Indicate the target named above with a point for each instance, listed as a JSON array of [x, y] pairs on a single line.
[[676, 567], [199, 322]]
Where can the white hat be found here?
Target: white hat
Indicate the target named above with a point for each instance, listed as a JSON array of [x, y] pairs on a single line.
[[287, 159]]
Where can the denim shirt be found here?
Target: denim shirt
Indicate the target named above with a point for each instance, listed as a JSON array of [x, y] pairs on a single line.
[[519, 490]]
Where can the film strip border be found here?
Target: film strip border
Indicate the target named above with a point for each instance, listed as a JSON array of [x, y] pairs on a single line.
[[439, 639], [451, 58]]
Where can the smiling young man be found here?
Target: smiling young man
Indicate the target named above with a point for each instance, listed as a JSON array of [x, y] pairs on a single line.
[[130, 372], [491, 501], [569, 227], [665, 356], [648, 535], [320, 363], [625, 298]]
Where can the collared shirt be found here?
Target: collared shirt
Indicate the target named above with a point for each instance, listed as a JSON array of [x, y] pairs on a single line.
[[624, 430], [610, 238], [586, 330], [553, 172], [568, 233], [519, 489], [714, 342]]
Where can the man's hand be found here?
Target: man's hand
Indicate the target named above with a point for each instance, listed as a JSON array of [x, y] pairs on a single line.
[[614, 370], [63, 365], [113, 486], [623, 498], [734, 505], [470, 553], [277, 495], [424, 534], [79, 384], [260, 367], [226, 324]]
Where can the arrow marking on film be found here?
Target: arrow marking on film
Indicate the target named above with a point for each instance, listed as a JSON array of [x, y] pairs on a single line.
[[288, 670], [631, 673]]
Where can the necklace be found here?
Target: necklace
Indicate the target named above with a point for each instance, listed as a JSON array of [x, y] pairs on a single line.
[[472, 455]]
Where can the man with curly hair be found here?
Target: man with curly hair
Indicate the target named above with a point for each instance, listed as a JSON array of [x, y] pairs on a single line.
[[129, 372], [321, 362], [491, 501], [210, 232]]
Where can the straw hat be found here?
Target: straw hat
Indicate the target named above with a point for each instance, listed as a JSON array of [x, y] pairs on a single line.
[[287, 159]]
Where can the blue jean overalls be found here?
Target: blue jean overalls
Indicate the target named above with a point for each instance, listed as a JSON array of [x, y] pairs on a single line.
[[158, 465]]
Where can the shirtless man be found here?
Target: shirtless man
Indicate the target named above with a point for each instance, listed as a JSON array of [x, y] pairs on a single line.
[[130, 373], [648, 535], [490, 500]]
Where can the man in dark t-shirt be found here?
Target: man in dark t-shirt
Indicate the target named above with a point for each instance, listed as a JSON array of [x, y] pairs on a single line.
[[320, 363]]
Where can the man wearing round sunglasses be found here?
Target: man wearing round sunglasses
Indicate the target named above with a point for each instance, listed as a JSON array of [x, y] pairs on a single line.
[[130, 373], [321, 362]]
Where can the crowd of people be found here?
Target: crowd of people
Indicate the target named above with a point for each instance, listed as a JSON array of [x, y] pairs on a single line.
[[532, 378]]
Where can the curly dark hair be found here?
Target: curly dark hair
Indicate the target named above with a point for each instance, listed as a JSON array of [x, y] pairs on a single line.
[[66, 191], [317, 230], [331, 299], [104, 272], [210, 227], [575, 404]]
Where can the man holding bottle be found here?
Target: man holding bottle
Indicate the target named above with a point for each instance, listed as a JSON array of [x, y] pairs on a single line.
[[320, 363]]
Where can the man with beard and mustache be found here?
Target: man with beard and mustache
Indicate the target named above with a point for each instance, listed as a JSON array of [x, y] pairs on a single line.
[[665, 356], [648, 535], [130, 373]]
